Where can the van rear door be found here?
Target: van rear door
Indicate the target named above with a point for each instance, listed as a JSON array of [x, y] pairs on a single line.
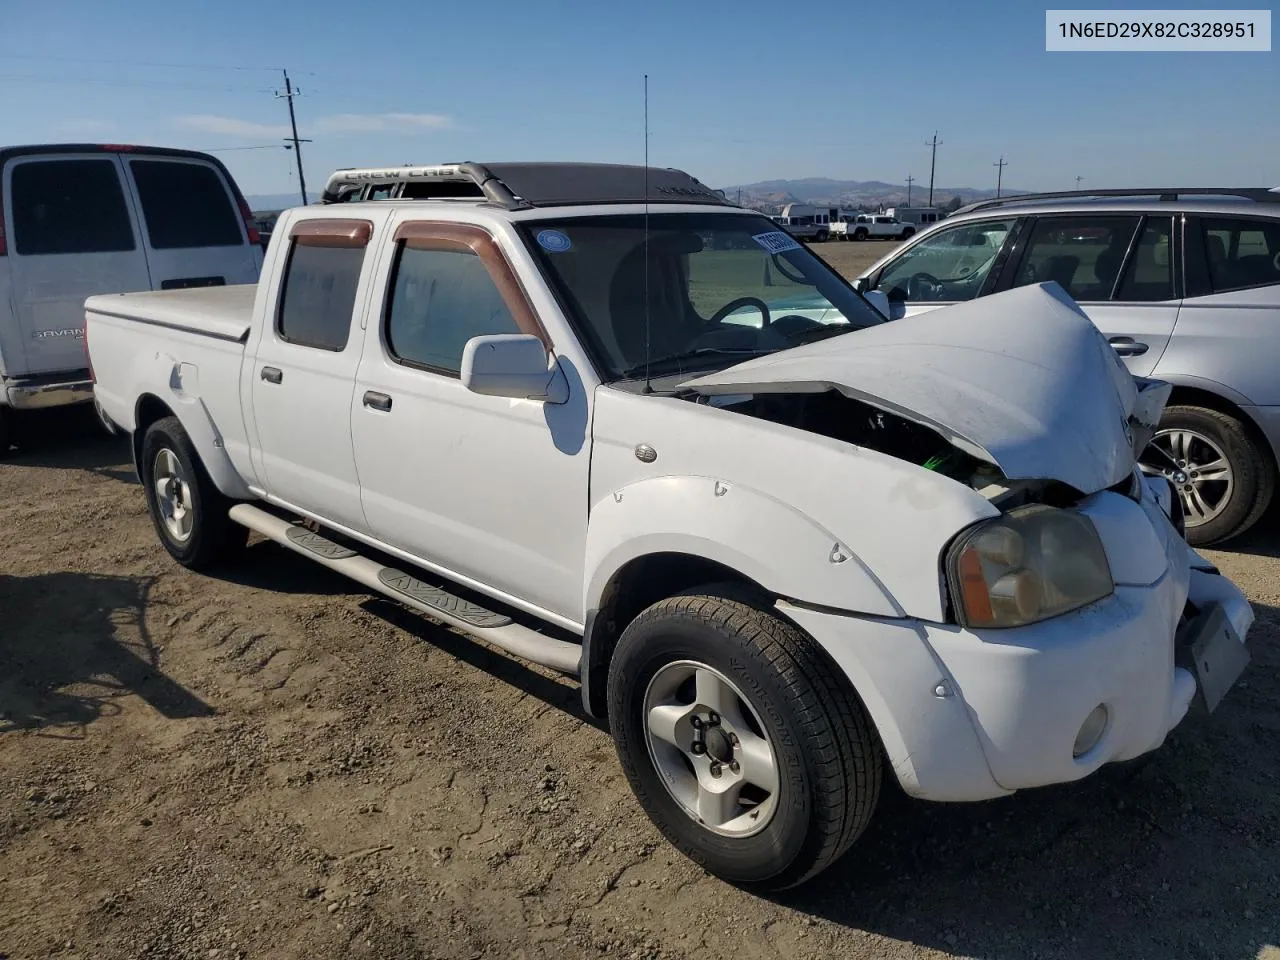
[[194, 232], [70, 234]]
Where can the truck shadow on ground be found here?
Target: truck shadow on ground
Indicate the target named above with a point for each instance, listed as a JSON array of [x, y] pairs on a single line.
[[563, 695], [71, 438], [1173, 855], [73, 646]]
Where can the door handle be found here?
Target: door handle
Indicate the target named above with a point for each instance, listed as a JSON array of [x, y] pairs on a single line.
[[377, 401], [272, 374], [1127, 346]]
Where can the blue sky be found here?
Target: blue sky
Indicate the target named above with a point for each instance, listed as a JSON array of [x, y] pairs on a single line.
[[739, 91]]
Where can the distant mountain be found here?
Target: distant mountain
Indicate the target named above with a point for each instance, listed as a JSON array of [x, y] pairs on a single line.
[[268, 202], [772, 195]]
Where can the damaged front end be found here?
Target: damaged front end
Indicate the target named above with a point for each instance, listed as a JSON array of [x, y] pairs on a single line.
[[1017, 395]]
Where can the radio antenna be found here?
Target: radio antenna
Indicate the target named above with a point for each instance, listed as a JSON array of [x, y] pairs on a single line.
[[648, 386]]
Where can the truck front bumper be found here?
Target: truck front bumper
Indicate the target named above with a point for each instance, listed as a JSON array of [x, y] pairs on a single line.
[[970, 715]]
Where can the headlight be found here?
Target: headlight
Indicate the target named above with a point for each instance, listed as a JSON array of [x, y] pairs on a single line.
[[1028, 565]]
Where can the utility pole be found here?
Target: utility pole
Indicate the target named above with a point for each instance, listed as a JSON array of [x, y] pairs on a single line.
[[999, 175], [1078, 179], [295, 140], [932, 162], [910, 181]]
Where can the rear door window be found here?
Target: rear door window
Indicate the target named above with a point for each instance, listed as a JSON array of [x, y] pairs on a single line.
[[318, 295], [1083, 254], [1242, 253], [69, 206], [185, 205]]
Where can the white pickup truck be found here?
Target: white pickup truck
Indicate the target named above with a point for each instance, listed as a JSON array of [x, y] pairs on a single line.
[[603, 420], [871, 226]]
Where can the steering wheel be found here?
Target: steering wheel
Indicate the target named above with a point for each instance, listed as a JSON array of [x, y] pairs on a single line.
[[920, 284], [733, 305]]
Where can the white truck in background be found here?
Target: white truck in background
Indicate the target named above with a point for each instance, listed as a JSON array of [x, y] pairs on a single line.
[[871, 226], [598, 417], [82, 219]]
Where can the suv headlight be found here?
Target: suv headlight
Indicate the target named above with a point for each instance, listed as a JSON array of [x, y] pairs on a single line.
[[1030, 564]]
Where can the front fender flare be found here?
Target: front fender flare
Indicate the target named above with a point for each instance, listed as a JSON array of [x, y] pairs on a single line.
[[784, 551]]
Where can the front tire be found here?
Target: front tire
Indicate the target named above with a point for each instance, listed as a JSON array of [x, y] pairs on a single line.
[[1223, 476], [860, 234], [189, 513], [709, 681]]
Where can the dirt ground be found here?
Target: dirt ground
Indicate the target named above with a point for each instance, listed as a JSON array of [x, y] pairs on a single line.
[[274, 764]]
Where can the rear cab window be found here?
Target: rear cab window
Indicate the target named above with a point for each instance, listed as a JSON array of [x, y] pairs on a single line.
[[67, 206], [186, 204], [317, 301]]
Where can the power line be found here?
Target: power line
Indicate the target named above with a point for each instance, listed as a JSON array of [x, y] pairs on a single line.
[[136, 63], [260, 146], [999, 174], [133, 83]]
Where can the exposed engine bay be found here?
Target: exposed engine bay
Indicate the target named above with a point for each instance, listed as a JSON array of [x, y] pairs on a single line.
[[832, 414]]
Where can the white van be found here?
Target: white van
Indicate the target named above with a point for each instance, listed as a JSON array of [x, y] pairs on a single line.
[[82, 219]]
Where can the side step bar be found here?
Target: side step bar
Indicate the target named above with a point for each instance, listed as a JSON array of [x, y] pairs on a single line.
[[471, 618]]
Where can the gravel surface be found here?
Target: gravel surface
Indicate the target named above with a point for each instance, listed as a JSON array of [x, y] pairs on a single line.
[[275, 764]]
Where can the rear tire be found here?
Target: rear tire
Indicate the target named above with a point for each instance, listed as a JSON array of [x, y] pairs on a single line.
[[189, 513], [6, 432], [783, 693], [1198, 437]]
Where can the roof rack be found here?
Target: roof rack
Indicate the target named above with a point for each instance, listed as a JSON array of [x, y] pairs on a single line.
[[517, 186], [1165, 194]]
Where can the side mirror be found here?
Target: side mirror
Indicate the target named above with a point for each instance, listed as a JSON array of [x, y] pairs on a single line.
[[879, 300], [861, 284], [512, 365]]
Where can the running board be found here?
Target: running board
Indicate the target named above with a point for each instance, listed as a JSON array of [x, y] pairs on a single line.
[[471, 618]]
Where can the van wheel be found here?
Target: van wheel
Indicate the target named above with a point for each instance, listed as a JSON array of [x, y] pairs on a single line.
[[739, 739], [188, 511], [1223, 477]]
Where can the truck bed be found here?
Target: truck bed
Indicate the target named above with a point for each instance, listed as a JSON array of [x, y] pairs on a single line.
[[222, 312]]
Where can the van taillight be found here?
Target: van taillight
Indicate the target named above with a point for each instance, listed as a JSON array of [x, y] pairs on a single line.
[[254, 236]]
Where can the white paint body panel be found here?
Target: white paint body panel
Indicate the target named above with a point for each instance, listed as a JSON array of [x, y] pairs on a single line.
[[540, 505]]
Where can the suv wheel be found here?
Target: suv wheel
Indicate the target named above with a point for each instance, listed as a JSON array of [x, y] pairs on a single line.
[[1224, 479], [188, 511], [739, 739]]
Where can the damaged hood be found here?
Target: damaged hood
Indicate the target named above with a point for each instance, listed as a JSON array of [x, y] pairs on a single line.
[[1021, 379]]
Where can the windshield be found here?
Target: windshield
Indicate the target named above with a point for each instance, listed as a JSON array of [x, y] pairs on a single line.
[[721, 287]]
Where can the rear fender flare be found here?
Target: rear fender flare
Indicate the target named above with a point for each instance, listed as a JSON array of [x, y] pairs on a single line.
[[177, 385]]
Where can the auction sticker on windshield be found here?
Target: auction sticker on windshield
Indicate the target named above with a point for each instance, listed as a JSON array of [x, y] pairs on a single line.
[[775, 241], [553, 240]]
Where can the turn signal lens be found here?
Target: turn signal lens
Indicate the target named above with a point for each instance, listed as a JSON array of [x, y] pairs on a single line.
[[1031, 564]]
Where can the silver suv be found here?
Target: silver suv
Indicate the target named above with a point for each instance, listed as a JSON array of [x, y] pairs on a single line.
[[1186, 285]]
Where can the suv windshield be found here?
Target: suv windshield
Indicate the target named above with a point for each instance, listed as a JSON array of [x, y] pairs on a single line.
[[721, 287]]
